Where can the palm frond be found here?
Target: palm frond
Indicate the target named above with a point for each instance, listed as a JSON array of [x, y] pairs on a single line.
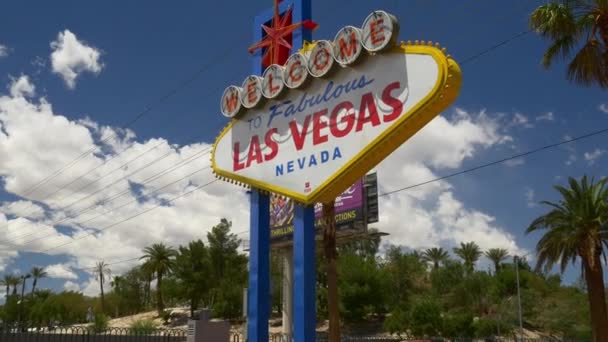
[[588, 66]]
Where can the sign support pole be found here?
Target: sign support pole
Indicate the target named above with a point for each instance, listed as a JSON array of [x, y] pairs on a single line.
[[258, 309], [304, 274]]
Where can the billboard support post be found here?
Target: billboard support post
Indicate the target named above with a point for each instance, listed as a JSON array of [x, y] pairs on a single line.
[[304, 273], [288, 294]]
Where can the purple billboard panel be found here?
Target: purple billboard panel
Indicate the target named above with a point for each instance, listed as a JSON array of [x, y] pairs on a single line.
[[350, 199], [349, 210]]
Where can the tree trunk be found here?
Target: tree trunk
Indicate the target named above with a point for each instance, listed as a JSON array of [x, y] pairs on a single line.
[[102, 296], [597, 298], [160, 306], [331, 255], [147, 292], [34, 286], [8, 290], [193, 306]]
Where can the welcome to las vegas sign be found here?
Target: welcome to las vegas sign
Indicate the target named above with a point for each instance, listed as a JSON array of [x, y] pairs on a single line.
[[310, 128]]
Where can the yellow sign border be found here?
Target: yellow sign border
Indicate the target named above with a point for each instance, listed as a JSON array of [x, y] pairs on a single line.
[[444, 92]]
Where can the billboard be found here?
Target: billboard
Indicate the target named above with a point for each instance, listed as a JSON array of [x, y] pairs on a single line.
[[350, 213]]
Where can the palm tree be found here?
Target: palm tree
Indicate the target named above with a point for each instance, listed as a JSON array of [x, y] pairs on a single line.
[[469, 253], [576, 227], [497, 255], [15, 282], [147, 272], [162, 261], [102, 270], [37, 273], [436, 256], [10, 280], [116, 283], [576, 25]]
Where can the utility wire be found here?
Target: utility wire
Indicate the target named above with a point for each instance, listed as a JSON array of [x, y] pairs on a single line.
[[221, 57], [182, 163], [185, 83], [130, 217], [500, 161], [481, 53], [149, 108], [136, 199]]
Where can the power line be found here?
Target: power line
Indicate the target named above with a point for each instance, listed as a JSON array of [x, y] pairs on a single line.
[[500, 161], [137, 198], [130, 217], [185, 83], [464, 62], [494, 47], [148, 109], [153, 177]]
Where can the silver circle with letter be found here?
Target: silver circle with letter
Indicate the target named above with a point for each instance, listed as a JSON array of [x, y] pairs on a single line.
[[252, 91], [295, 73], [230, 104], [321, 58], [272, 81], [347, 45], [379, 31]]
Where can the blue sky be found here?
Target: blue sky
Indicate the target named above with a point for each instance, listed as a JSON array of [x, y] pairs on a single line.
[[115, 59]]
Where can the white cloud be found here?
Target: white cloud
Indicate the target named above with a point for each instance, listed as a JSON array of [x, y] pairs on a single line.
[[520, 120], [420, 217], [71, 57], [71, 286], [603, 107], [530, 198], [3, 51], [431, 215], [21, 87], [39, 64], [60, 271], [515, 162], [548, 116], [25, 209], [592, 156]]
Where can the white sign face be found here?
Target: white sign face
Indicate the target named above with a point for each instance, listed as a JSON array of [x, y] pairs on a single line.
[[301, 145]]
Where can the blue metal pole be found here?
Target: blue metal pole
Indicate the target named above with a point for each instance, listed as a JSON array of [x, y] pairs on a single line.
[[258, 308], [304, 322]]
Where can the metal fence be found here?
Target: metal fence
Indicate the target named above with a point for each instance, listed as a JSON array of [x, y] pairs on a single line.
[[87, 334], [321, 337]]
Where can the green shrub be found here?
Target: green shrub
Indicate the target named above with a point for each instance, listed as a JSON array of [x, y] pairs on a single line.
[[166, 317], [485, 327], [458, 325], [396, 322], [425, 319], [143, 327], [100, 324]]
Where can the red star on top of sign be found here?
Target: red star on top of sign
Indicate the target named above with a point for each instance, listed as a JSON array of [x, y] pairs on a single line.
[[277, 41]]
